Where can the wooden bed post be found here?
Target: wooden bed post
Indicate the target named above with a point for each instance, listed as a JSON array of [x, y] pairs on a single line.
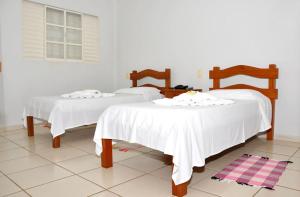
[[270, 133], [133, 78], [106, 156], [168, 78], [30, 125], [272, 85], [216, 81], [56, 142], [179, 190]]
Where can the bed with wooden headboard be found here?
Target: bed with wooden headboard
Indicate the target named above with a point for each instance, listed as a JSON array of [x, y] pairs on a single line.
[[271, 74], [70, 113], [190, 134]]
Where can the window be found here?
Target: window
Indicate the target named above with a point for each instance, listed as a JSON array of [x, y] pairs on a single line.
[[58, 34], [63, 34]]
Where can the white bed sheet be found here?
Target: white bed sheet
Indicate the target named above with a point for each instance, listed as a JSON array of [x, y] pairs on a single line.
[[66, 113], [189, 134]]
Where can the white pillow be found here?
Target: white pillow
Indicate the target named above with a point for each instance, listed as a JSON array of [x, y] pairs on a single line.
[[243, 94], [149, 93]]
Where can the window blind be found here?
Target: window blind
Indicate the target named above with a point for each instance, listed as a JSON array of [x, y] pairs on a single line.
[[33, 30], [90, 38]]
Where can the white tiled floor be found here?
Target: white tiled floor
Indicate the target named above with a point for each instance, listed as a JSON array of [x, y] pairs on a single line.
[[31, 167]]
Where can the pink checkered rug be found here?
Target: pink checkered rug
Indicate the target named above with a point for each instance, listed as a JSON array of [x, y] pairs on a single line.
[[254, 171]]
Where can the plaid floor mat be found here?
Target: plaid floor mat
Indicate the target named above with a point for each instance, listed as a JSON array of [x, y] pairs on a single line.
[[254, 171]]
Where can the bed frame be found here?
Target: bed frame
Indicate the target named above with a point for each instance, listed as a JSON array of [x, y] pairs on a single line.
[[134, 77], [270, 73], [216, 74]]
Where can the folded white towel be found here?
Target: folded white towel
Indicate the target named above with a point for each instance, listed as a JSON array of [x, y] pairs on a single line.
[[193, 98], [83, 94]]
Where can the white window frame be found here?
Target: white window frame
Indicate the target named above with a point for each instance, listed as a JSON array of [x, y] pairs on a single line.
[[65, 30]]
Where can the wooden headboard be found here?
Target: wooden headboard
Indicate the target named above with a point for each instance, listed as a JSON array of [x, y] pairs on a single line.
[[164, 75], [270, 73]]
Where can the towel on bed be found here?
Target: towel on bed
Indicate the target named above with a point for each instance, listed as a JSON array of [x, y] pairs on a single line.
[[86, 94], [193, 98]]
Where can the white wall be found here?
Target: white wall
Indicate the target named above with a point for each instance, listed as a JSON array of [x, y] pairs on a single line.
[[24, 78], [1, 82], [197, 34]]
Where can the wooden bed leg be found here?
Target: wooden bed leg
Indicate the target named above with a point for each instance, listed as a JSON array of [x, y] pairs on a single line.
[[270, 134], [56, 142], [179, 190], [106, 156], [30, 125]]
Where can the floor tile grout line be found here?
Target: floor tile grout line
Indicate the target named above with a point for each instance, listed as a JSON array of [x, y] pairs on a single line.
[[287, 145], [17, 192], [288, 188], [27, 169], [9, 149], [127, 181], [50, 182], [13, 173], [141, 170], [272, 153], [15, 158], [114, 193], [14, 183], [61, 160], [39, 154], [31, 152], [275, 142], [77, 157], [294, 153], [257, 192], [106, 190], [205, 191], [295, 170]]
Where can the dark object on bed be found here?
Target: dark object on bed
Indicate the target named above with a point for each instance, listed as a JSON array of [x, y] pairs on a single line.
[[181, 87]]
